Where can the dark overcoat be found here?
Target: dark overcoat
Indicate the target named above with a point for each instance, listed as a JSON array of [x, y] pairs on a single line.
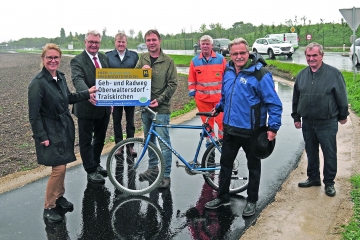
[[83, 75], [50, 119]]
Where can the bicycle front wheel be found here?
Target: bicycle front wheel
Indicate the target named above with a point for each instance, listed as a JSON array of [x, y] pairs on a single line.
[[132, 170], [239, 176]]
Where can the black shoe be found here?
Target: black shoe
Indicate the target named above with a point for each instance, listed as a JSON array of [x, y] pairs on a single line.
[[216, 203], [165, 183], [309, 183], [95, 177], [149, 174], [51, 215], [101, 171], [249, 209], [330, 190], [64, 203]]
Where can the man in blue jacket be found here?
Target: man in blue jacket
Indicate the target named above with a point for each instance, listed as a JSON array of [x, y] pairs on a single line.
[[121, 57], [249, 101], [320, 100]]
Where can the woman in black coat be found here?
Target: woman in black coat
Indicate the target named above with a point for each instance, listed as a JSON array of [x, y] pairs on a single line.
[[53, 127]]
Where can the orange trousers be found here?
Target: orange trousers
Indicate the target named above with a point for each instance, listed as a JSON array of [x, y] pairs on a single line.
[[207, 107], [55, 186]]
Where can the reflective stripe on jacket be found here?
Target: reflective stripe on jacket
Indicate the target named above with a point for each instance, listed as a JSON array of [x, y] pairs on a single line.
[[205, 77]]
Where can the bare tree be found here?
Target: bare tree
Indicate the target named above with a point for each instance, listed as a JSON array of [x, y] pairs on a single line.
[[303, 19], [202, 28], [295, 21], [104, 31], [289, 22], [131, 32]]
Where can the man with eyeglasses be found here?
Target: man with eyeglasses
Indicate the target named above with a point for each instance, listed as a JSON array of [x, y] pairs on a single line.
[[249, 102], [204, 81], [92, 120]]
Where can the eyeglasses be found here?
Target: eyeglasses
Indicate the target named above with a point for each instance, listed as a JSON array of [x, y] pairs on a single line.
[[239, 53], [92, 43], [49, 59]]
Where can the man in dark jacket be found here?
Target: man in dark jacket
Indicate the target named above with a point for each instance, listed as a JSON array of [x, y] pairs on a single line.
[[121, 57], [92, 120], [320, 99], [249, 102]]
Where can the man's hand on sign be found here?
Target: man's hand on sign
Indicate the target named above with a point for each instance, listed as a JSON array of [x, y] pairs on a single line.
[[92, 99], [154, 103], [92, 89]]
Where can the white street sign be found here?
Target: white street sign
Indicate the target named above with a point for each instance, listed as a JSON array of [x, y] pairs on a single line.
[[351, 16]]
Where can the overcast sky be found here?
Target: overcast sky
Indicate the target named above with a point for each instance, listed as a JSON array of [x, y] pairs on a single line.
[[40, 18]]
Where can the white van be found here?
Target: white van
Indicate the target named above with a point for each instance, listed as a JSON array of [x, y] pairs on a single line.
[[291, 38]]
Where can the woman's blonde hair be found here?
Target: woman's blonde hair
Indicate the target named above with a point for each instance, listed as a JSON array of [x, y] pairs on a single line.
[[48, 47]]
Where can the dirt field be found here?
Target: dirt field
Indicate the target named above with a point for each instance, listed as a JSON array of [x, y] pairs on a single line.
[[295, 214]]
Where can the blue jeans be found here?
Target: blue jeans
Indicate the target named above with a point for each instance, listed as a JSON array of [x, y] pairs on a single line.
[[164, 133], [321, 132]]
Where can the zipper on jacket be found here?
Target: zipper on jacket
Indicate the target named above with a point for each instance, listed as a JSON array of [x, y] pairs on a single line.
[[232, 91]]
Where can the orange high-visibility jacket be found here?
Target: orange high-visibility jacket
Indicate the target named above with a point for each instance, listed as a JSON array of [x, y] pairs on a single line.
[[205, 77]]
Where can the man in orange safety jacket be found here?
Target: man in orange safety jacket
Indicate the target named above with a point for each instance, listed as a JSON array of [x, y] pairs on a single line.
[[205, 81]]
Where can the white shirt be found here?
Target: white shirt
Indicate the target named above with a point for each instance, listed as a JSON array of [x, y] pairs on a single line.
[[92, 58], [121, 55]]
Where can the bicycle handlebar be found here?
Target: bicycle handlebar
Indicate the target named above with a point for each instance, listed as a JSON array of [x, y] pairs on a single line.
[[207, 114]]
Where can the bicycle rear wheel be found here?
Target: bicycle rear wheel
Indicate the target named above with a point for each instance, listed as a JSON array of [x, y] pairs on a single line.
[[240, 173], [130, 174]]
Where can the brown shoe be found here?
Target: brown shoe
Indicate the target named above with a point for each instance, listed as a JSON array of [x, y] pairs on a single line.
[[132, 152], [119, 152]]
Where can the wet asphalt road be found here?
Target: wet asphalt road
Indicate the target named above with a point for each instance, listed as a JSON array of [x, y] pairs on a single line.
[[102, 212]]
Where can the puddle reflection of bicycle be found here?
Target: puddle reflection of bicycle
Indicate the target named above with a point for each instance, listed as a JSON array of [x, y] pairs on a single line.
[[141, 217]]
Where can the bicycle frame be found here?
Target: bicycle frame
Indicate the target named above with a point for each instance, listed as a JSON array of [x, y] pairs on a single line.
[[204, 133]]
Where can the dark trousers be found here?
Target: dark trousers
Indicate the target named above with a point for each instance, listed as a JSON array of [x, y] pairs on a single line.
[[92, 133], [130, 126], [230, 148], [321, 132]]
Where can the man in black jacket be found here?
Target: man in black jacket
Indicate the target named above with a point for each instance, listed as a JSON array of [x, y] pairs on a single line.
[[121, 57], [92, 120], [320, 100]]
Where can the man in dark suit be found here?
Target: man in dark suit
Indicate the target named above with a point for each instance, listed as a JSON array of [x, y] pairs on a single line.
[[92, 120], [121, 57]]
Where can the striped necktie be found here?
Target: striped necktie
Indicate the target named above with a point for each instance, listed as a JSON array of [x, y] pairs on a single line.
[[96, 62]]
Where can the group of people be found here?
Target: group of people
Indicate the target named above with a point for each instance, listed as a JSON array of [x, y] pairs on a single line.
[[52, 124], [240, 93], [249, 103]]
